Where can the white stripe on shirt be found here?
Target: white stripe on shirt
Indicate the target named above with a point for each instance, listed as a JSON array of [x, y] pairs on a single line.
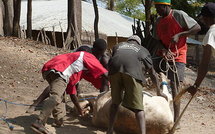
[[75, 67]]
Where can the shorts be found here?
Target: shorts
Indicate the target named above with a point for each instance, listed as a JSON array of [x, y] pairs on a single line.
[[127, 90]]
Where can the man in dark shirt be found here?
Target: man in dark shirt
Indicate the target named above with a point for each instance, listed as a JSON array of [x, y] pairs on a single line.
[[127, 66]]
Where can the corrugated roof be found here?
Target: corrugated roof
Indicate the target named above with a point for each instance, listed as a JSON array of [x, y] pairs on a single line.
[[47, 14]]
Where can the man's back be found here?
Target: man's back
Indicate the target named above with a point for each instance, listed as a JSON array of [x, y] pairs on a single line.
[[130, 58]]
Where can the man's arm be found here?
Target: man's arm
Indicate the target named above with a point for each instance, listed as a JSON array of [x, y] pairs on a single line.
[[104, 60], [202, 70], [76, 103], [196, 28], [105, 85], [154, 78]]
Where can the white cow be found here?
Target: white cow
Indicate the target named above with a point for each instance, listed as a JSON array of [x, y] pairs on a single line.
[[159, 118]]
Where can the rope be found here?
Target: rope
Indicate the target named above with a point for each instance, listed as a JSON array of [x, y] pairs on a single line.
[[168, 66], [3, 117], [87, 98], [11, 127], [9, 102], [171, 57]]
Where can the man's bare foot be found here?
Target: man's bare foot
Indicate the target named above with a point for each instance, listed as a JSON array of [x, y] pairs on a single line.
[[31, 109]]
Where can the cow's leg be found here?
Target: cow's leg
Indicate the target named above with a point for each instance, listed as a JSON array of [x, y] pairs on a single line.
[[140, 117], [114, 108]]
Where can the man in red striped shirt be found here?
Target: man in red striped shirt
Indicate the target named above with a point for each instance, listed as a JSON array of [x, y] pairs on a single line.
[[99, 51], [59, 72]]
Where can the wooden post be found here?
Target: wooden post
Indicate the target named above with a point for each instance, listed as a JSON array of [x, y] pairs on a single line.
[[54, 36], [96, 21], [29, 18], [117, 41], [62, 33]]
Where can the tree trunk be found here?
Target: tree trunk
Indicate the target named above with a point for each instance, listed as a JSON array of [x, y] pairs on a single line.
[[96, 21], [8, 17], [148, 4], [29, 19], [16, 19], [79, 17], [1, 18], [111, 5], [71, 23], [74, 24]]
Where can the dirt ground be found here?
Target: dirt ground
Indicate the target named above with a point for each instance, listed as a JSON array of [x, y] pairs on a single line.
[[21, 82]]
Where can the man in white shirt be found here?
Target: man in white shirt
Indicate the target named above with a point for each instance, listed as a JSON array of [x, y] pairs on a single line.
[[208, 17]]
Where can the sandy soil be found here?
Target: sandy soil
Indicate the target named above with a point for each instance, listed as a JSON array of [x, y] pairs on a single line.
[[21, 82]]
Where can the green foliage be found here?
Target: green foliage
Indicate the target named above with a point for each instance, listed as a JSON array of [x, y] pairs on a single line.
[[183, 5], [132, 8], [191, 7], [135, 8]]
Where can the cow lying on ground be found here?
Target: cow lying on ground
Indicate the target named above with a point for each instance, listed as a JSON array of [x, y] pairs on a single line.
[[159, 118]]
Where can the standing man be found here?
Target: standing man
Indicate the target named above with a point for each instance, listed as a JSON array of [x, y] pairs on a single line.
[[172, 28], [207, 15], [127, 66], [59, 72]]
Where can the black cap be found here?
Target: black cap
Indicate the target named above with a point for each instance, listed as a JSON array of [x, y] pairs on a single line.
[[208, 10], [100, 44]]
